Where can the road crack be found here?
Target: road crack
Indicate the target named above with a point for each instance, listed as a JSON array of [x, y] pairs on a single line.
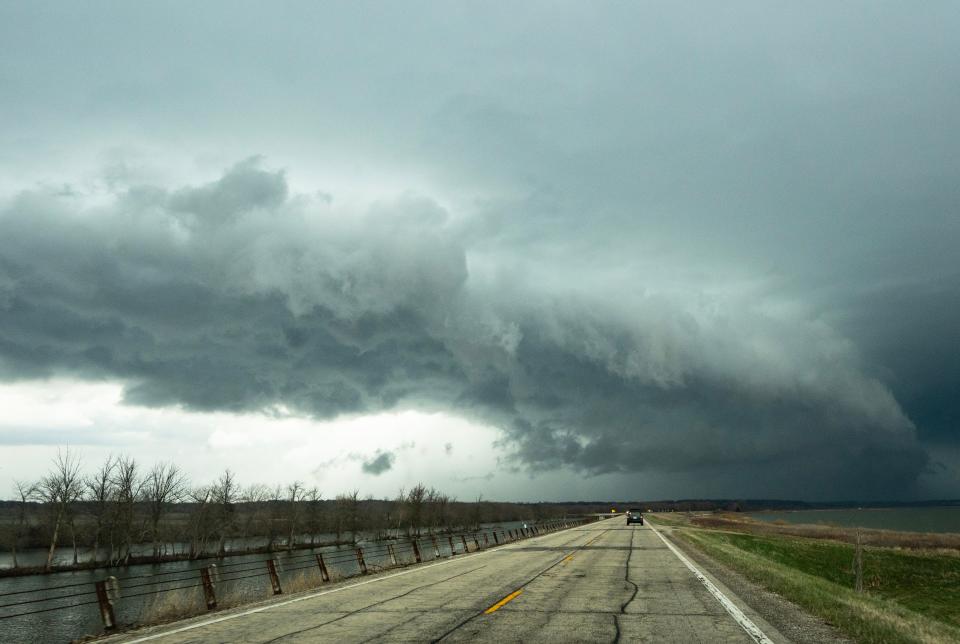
[[633, 595], [369, 606], [523, 585]]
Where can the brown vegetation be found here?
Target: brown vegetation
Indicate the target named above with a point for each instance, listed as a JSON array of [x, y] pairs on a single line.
[[869, 537], [124, 513]]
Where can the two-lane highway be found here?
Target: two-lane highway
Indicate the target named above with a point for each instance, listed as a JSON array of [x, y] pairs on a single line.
[[603, 582]]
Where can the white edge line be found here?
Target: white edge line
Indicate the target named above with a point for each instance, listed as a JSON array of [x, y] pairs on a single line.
[[752, 629], [260, 609]]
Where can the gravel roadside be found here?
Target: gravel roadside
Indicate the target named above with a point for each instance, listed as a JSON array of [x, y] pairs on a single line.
[[792, 621]]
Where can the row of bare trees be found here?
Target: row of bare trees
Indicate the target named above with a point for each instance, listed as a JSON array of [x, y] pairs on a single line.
[[123, 510]]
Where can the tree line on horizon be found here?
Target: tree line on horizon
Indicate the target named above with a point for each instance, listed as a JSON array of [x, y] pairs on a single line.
[[123, 504]]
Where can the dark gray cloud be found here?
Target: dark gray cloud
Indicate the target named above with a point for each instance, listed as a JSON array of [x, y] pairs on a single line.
[[715, 244], [379, 464], [234, 295]]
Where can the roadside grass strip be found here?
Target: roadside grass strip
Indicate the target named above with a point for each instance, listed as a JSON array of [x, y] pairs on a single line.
[[900, 604]]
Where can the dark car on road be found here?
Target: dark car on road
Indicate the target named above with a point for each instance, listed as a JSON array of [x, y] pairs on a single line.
[[634, 516]]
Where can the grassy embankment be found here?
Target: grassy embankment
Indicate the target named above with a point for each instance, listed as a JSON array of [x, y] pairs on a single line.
[[911, 593]]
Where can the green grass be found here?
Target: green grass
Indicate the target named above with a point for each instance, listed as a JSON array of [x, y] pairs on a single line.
[[909, 596]]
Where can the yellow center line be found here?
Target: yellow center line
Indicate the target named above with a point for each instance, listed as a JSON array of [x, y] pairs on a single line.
[[567, 559], [503, 601]]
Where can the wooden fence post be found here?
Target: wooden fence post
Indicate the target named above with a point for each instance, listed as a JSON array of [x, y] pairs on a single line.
[[324, 575], [209, 591], [360, 561], [274, 577], [858, 564], [416, 551], [106, 593]]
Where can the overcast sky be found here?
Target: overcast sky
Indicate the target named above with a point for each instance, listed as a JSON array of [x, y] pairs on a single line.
[[546, 251]]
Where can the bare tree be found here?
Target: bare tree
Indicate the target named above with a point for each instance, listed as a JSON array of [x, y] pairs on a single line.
[[314, 513], [477, 513], [25, 492], [100, 493], [256, 516], [225, 492], [163, 485], [200, 519], [416, 499], [59, 490], [295, 494], [276, 516], [441, 510], [348, 513], [127, 486], [398, 504]]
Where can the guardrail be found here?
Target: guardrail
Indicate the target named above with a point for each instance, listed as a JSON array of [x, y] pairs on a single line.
[[111, 591]]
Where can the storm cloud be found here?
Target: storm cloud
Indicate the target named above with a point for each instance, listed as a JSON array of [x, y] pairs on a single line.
[[700, 243], [234, 295], [379, 464]]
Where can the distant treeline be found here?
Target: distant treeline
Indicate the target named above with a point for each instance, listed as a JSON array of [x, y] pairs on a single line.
[[116, 510], [761, 505]]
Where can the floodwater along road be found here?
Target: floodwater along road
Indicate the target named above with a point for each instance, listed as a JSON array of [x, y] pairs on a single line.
[[604, 581]]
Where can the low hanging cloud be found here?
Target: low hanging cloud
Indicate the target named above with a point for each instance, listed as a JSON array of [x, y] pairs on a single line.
[[238, 295], [377, 465]]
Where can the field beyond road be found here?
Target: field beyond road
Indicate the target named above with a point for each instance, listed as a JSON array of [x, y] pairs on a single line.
[[911, 588]]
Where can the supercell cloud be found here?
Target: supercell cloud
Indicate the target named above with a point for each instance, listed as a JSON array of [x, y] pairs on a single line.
[[236, 295], [711, 247]]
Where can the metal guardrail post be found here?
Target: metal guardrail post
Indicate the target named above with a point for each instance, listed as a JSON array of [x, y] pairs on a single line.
[[324, 575], [452, 550], [274, 577], [495, 540], [360, 561], [416, 551], [465, 548], [106, 593], [436, 548], [209, 591], [392, 553], [476, 542], [486, 540]]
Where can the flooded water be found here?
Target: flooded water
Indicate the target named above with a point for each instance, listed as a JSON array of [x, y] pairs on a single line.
[[937, 519], [149, 589]]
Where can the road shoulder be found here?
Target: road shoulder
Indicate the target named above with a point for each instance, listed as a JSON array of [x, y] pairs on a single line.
[[779, 618]]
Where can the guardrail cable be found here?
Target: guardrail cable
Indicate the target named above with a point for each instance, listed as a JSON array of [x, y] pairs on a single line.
[[409, 545]]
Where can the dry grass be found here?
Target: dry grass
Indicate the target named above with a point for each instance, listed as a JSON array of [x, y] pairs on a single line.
[[301, 581], [171, 606], [940, 543]]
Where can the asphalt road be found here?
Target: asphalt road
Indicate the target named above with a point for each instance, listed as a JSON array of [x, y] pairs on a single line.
[[603, 582]]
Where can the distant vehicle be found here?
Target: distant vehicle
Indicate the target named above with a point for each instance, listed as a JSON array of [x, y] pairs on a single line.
[[634, 516]]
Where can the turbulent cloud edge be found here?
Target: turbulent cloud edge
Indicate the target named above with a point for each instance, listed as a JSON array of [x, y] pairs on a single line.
[[238, 295]]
